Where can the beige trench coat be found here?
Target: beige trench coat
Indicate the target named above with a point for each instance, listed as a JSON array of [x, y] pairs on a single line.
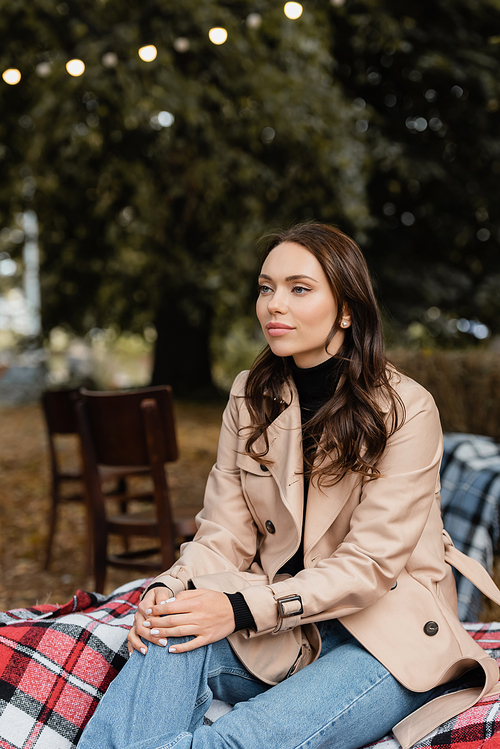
[[375, 556]]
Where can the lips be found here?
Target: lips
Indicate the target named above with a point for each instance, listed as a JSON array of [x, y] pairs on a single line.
[[278, 328]]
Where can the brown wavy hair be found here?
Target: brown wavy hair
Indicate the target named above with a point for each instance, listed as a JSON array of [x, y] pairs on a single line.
[[349, 432]]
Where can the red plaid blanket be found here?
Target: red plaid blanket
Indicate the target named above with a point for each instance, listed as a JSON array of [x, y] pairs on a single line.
[[56, 662]]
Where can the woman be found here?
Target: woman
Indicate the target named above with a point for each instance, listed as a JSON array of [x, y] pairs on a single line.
[[316, 595]]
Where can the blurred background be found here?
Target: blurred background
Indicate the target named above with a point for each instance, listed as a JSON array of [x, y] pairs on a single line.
[[144, 149]]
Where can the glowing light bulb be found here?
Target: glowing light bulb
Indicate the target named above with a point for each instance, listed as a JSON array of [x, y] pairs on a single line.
[[254, 21], [148, 53], [293, 10], [75, 67], [11, 76], [182, 44], [217, 35]]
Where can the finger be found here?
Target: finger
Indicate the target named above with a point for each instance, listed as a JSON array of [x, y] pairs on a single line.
[[165, 607], [152, 598], [168, 621], [186, 647], [188, 629], [175, 605], [145, 606], [147, 629], [139, 618], [148, 632], [134, 642]]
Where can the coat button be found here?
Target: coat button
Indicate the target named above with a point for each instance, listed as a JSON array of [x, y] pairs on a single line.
[[263, 468], [431, 628], [270, 527]]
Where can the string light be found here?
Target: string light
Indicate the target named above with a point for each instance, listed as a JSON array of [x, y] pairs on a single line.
[[75, 67], [43, 69], [254, 21], [182, 44], [217, 35], [11, 76], [148, 53], [293, 10], [109, 59]]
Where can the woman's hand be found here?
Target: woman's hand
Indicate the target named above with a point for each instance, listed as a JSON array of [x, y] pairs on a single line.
[[153, 597], [205, 615]]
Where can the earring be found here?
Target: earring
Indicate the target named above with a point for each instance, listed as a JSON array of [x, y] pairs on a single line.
[[343, 324]]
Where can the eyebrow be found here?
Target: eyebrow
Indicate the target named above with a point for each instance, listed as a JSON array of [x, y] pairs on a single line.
[[289, 278]]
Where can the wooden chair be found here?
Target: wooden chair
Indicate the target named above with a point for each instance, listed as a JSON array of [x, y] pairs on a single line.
[[132, 431], [60, 418]]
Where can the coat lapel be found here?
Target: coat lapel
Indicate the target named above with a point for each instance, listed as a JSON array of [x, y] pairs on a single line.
[[285, 451], [323, 507]]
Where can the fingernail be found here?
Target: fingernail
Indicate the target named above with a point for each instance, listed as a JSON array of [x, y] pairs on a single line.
[[146, 624], [169, 600], [143, 651], [162, 642], [172, 649], [155, 631], [149, 611]]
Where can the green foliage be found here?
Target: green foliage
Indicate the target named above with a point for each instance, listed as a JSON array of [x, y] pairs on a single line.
[[426, 78], [379, 116], [131, 211]]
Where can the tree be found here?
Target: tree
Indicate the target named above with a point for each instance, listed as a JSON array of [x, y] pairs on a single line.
[[152, 180], [425, 78]]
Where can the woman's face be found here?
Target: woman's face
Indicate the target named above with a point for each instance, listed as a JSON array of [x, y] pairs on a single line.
[[296, 307]]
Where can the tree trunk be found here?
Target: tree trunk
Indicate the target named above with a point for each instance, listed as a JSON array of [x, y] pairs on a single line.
[[182, 353]]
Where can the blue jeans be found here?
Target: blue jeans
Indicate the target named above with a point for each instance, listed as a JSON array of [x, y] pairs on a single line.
[[345, 699]]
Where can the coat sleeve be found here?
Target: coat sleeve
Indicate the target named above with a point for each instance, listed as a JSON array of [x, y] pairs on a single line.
[[385, 526], [226, 539]]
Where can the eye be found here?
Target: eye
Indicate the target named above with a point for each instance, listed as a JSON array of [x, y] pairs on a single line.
[[300, 290], [264, 289]]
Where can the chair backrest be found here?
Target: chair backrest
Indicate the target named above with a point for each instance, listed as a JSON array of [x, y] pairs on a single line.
[[116, 423], [59, 410]]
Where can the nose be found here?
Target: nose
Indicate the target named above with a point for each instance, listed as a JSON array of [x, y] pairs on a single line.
[[276, 303]]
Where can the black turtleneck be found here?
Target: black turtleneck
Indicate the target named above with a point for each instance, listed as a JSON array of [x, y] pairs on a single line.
[[315, 385]]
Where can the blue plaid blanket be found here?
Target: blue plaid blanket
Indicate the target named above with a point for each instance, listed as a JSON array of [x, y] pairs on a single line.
[[470, 504]]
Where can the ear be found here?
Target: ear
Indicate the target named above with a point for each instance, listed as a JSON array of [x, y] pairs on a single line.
[[346, 320]]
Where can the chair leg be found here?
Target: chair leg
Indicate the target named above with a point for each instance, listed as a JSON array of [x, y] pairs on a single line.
[[100, 572], [100, 545], [52, 522], [89, 550], [122, 489]]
